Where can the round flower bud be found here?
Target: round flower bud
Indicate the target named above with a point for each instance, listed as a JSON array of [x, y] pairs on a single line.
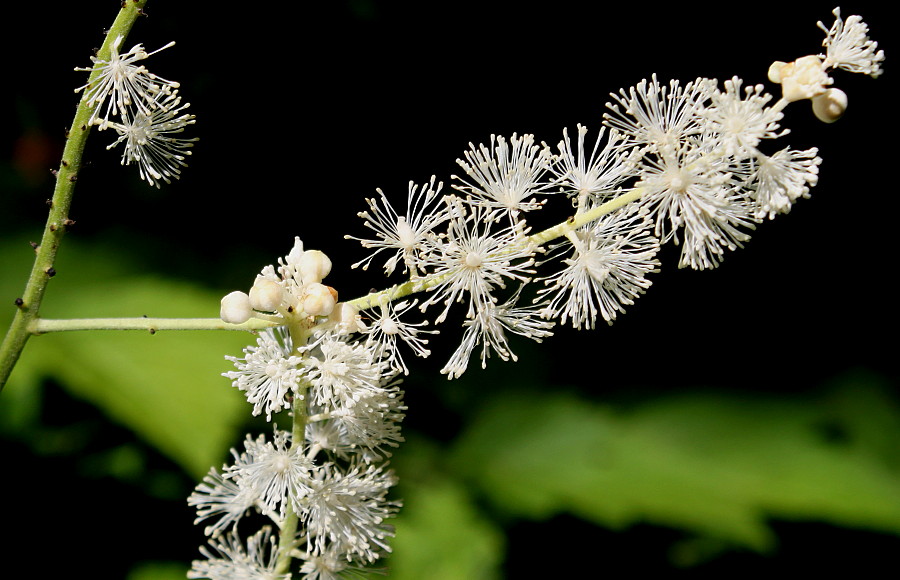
[[830, 105], [266, 295], [318, 300], [314, 266], [345, 317], [775, 71], [235, 308]]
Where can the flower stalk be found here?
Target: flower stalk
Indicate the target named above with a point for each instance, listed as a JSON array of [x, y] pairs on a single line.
[[58, 221]]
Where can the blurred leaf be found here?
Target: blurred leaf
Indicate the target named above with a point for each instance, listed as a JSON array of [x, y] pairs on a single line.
[[158, 571], [441, 533], [713, 464], [166, 387]]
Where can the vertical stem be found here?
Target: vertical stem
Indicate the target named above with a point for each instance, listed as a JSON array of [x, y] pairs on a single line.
[[299, 331], [29, 303]]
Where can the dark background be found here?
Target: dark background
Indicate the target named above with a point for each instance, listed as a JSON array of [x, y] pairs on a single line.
[[303, 109]]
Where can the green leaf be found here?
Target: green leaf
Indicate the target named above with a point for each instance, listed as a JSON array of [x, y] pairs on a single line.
[[441, 532], [714, 464], [166, 387]]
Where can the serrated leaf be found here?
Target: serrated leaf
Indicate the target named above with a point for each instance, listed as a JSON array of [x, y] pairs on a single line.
[[714, 464]]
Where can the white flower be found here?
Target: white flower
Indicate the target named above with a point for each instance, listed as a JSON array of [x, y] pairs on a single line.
[[408, 235], [372, 423], [607, 270], [489, 327], [277, 473], [595, 177], [126, 84], [475, 260], [738, 124], [332, 564], [341, 373], [848, 46], [696, 194], [783, 178], [383, 332], [217, 496], [149, 141], [229, 560], [348, 510], [505, 175], [657, 116], [268, 373]]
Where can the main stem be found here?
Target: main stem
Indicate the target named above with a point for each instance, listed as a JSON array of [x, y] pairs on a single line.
[[58, 221]]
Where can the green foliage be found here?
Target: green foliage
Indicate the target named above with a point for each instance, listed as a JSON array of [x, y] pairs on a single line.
[[166, 387], [716, 465]]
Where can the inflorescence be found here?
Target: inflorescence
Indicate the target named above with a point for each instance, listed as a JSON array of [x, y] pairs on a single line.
[[673, 162]]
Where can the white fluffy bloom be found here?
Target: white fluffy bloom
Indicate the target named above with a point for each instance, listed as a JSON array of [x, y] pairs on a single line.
[[489, 327], [658, 116], [595, 177], [341, 373], [738, 124], [505, 175], [126, 84], [219, 497], [384, 331], [230, 560], [276, 472], [848, 46], [407, 235], [348, 509], [606, 271], [697, 195], [269, 372], [783, 178], [149, 138], [475, 260]]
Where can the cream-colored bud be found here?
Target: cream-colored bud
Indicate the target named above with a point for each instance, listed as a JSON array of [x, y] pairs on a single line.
[[775, 71], [318, 300], [830, 105], [314, 266], [345, 317], [235, 308], [266, 295]]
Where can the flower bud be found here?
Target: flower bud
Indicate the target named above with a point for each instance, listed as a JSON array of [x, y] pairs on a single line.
[[235, 308], [830, 105], [318, 300], [266, 295], [314, 266], [345, 317]]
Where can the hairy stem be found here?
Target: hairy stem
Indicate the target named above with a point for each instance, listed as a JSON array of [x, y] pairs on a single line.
[[29, 303]]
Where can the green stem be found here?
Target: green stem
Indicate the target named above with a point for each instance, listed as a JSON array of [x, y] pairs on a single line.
[[29, 303], [41, 325], [300, 332], [538, 239]]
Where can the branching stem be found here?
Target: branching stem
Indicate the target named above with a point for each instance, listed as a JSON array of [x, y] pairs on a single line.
[[58, 221]]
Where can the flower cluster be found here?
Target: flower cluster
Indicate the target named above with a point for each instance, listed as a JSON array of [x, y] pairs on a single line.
[[326, 479], [686, 163], [143, 109]]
